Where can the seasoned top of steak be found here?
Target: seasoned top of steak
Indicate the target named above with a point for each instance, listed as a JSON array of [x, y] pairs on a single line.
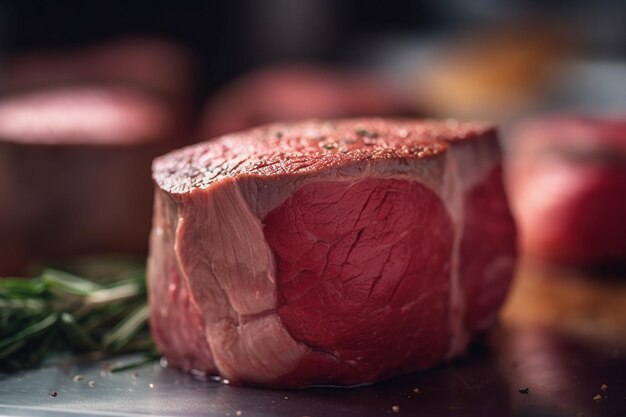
[[280, 149], [83, 115]]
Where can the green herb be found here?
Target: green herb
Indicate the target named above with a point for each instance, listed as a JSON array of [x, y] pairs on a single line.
[[146, 358], [100, 314]]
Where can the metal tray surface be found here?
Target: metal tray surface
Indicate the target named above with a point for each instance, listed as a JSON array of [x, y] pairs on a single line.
[[563, 374]]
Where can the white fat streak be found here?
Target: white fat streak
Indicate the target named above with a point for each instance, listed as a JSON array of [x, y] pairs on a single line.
[[235, 278], [452, 196], [467, 164], [428, 172]]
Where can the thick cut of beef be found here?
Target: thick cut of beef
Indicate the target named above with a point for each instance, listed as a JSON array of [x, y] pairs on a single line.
[[337, 252], [74, 175], [567, 180]]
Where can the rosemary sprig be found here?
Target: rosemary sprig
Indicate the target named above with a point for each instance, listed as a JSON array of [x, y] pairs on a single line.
[[100, 314]]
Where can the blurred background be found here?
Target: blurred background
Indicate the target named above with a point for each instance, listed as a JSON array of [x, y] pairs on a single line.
[[490, 59]]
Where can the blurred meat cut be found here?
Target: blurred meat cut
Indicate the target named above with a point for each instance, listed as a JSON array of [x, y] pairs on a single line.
[[329, 252], [567, 181], [153, 64], [74, 171], [297, 92]]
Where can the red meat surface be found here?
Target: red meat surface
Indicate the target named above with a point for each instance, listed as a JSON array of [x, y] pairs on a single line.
[[337, 252]]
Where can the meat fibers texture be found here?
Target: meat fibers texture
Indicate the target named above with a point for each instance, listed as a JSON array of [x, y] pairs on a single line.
[[74, 172], [567, 181], [328, 252]]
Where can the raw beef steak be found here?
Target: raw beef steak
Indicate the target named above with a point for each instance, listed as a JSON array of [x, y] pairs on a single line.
[[337, 252]]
